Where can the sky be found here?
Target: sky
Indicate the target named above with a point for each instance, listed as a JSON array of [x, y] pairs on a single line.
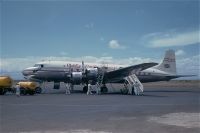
[[114, 31]]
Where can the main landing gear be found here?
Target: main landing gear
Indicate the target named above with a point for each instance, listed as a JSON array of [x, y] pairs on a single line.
[[103, 89]]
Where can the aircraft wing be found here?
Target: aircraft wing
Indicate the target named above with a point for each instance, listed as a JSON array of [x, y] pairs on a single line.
[[119, 74]]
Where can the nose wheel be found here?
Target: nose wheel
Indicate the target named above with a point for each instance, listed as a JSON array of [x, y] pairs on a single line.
[[38, 90], [104, 89]]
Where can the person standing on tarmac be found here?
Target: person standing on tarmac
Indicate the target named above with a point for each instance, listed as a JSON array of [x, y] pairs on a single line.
[[98, 89], [89, 92], [136, 88], [67, 89], [17, 90]]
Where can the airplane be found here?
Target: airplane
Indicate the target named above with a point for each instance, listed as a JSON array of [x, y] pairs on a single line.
[[76, 73]]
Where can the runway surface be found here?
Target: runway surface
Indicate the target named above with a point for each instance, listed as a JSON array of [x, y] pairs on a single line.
[[164, 110]]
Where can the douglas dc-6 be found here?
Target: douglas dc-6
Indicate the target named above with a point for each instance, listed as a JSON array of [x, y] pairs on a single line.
[[76, 73]]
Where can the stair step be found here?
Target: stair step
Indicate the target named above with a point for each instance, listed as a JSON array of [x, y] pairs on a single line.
[[133, 81]]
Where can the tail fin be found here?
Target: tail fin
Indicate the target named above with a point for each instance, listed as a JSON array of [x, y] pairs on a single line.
[[168, 64]]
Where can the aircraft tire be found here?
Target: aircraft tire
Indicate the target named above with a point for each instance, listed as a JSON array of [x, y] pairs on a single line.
[[31, 92], [2, 92], [23, 91], [38, 90], [85, 88], [104, 89]]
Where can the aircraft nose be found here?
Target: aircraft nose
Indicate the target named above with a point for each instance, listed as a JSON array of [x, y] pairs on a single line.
[[29, 71], [25, 72]]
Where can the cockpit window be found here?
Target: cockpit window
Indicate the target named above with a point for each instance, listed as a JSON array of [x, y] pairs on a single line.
[[38, 65]]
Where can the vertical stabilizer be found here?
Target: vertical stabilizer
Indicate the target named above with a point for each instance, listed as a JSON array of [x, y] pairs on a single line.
[[168, 64]]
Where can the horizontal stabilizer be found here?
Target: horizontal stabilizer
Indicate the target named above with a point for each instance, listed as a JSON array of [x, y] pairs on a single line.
[[179, 76]]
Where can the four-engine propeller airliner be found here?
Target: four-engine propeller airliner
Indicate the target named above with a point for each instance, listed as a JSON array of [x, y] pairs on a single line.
[[77, 73]]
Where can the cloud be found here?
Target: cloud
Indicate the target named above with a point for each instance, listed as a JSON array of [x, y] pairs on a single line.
[[114, 44], [105, 54], [189, 66], [171, 38], [180, 52], [89, 25], [63, 53]]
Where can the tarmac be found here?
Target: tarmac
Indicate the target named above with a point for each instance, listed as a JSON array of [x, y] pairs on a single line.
[[164, 110]]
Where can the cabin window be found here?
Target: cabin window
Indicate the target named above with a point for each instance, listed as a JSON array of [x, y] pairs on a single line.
[[36, 65], [106, 67]]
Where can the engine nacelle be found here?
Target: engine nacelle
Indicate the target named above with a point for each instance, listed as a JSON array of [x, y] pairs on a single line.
[[76, 77], [91, 74]]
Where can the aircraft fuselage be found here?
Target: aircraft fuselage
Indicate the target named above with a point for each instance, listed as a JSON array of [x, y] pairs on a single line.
[[61, 72]]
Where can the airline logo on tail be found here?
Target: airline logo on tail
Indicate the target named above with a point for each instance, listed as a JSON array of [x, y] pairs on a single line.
[[169, 60], [167, 66]]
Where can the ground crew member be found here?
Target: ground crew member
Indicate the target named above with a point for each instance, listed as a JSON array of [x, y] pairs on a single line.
[[67, 89], [136, 88], [17, 90], [97, 88], [89, 89]]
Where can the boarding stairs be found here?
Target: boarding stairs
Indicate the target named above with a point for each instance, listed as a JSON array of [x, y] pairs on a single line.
[[100, 77], [131, 82]]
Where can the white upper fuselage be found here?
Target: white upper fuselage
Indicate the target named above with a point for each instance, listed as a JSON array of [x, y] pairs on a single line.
[[76, 65]]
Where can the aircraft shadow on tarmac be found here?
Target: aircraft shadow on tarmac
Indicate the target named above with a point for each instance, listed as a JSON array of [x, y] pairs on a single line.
[[145, 94], [150, 95], [168, 91]]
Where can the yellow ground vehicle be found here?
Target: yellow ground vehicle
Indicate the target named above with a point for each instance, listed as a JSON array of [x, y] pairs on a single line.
[[5, 84], [28, 87]]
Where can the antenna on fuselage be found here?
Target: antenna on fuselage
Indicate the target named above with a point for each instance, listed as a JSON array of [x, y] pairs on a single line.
[[83, 67]]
